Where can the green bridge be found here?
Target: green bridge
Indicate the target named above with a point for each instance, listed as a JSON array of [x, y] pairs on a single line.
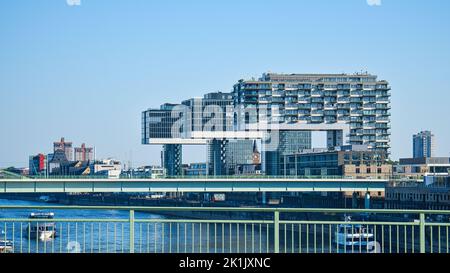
[[191, 184], [223, 230]]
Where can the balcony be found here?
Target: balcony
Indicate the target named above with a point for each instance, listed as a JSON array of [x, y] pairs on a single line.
[[316, 100], [291, 93], [369, 113], [317, 113], [356, 94], [369, 106], [369, 125], [343, 106], [369, 93], [328, 106], [304, 106], [356, 113], [251, 94], [356, 139], [382, 120], [278, 93], [383, 100], [316, 119], [383, 107]]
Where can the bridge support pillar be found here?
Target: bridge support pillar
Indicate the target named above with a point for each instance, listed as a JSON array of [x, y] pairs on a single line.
[[354, 200], [264, 198], [367, 200]]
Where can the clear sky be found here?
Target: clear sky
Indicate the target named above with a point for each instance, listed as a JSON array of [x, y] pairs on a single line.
[[87, 71]]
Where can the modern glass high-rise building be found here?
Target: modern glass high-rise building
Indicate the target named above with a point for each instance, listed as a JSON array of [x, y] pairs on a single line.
[[289, 142], [423, 144], [352, 109], [359, 100], [224, 155]]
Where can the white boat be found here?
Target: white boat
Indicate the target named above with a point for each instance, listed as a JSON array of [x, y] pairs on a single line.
[[41, 230], [355, 238], [6, 246], [48, 199]]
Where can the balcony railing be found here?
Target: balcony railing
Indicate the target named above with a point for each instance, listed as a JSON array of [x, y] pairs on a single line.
[[222, 230]]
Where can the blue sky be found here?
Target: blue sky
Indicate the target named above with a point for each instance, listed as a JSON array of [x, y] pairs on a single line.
[[86, 72]]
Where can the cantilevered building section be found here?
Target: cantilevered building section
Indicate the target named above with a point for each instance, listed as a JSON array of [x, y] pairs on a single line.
[[158, 123], [213, 112], [359, 100]]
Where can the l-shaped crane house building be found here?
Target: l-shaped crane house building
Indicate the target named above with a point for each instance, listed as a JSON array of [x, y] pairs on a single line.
[[278, 110]]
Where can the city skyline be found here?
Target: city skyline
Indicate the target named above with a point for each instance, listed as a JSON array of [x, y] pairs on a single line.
[[91, 85]]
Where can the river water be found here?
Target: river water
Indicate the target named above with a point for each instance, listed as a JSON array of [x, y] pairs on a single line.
[[108, 231]]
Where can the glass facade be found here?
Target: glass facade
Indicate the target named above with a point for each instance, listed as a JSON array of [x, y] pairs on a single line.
[[289, 142], [158, 123], [213, 112], [226, 154], [331, 163], [196, 169], [238, 152]]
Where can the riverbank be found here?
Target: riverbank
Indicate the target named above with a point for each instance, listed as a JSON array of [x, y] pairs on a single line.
[[135, 200]]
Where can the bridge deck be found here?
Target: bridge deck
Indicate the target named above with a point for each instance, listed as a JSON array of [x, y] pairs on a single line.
[[189, 185]]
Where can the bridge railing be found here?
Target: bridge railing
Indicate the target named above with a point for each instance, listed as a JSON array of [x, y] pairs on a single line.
[[94, 177], [77, 229]]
